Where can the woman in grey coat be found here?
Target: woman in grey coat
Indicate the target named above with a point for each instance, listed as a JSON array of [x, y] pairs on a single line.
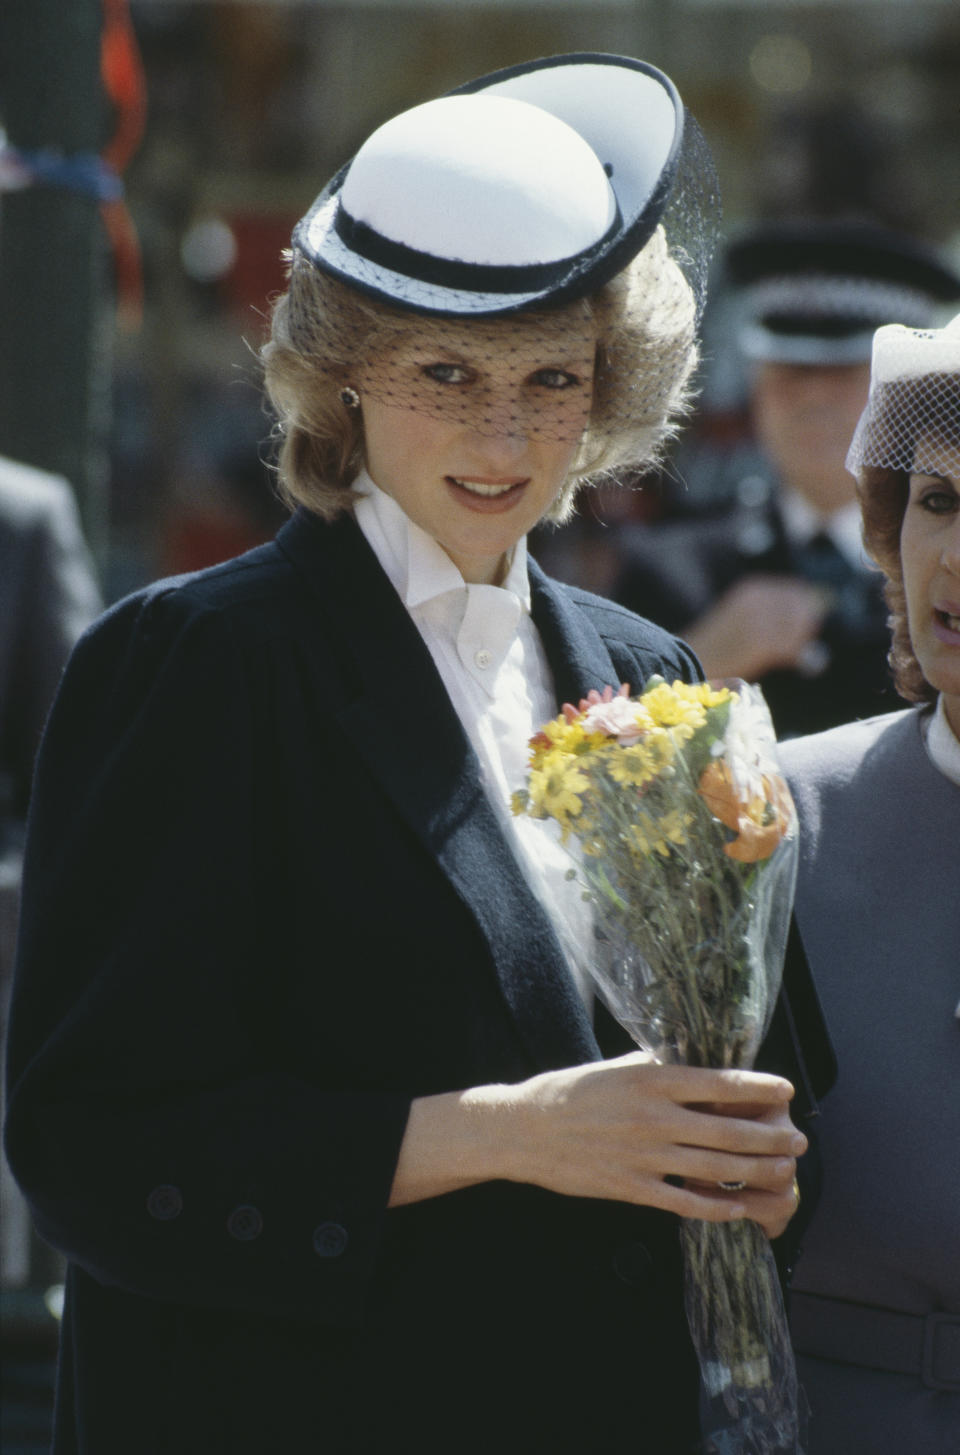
[[876, 1301]]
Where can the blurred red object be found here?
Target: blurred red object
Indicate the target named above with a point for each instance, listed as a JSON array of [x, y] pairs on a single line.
[[259, 272]]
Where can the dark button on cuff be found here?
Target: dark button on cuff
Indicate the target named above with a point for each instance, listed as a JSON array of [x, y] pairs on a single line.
[[329, 1240], [245, 1223], [165, 1202], [633, 1264]]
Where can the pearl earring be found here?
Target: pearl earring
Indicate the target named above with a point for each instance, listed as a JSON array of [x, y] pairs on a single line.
[[350, 398]]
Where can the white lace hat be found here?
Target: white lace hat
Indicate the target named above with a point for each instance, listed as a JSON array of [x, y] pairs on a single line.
[[532, 185], [912, 418]]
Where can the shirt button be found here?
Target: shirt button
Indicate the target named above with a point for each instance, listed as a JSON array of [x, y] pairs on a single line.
[[165, 1202], [483, 657], [633, 1265], [329, 1240], [245, 1223]]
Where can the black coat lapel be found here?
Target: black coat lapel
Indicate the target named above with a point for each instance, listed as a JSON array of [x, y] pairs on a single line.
[[399, 717], [575, 650]]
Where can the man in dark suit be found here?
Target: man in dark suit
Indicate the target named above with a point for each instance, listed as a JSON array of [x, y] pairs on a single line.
[[48, 595], [772, 584]]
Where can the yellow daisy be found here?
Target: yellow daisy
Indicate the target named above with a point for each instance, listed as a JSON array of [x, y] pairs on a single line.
[[655, 835], [669, 708]]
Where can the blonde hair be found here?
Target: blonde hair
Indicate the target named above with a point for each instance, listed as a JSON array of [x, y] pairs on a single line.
[[322, 330]]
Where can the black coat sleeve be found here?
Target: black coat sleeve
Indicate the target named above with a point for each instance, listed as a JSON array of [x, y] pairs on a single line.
[[162, 1142]]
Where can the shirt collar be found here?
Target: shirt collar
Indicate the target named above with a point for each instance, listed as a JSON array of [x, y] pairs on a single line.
[[943, 747], [843, 526], [417, 566]]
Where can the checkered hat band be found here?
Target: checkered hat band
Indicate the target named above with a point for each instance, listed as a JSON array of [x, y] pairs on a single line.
[[856, 303]]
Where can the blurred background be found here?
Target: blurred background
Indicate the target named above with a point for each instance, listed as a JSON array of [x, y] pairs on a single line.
[[130, 331], [130, 318]]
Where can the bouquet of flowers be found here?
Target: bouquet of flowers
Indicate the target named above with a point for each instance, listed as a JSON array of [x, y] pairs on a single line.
[[683, 836]]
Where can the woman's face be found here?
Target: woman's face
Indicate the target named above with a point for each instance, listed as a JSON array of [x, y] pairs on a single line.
[[930, 559], [483, 440]]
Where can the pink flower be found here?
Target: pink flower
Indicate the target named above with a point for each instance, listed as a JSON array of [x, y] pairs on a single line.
[[592, 699], [617, 717]]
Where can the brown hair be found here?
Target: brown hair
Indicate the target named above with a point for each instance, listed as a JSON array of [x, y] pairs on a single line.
[[322, 329], [883, 495]]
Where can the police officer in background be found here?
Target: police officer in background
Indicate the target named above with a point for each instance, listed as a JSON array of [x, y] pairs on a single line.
[[768, 580]]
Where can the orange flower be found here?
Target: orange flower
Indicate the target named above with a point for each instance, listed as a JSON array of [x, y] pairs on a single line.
[[760, 821]]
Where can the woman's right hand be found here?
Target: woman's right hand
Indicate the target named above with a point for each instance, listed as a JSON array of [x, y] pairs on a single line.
[[628, 1129]]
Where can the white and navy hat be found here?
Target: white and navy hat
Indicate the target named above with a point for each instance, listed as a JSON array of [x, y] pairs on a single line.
[[529, 186], [814, 292]]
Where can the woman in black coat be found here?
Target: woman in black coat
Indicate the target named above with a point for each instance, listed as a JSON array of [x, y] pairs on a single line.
[[300, 1079]]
